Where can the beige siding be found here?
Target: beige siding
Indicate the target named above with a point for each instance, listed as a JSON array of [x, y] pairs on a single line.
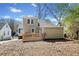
[[45, 31], [32, 37], [53, 32], [28, 27]]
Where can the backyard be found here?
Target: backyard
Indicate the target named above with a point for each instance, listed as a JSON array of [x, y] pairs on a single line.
[[39, 48]]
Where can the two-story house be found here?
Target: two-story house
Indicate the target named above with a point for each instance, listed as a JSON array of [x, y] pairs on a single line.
[[41, 28]]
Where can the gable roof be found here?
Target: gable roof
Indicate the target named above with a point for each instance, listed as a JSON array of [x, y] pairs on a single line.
[[1, 25]]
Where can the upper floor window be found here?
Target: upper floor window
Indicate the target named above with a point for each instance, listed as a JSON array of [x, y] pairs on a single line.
[[31, 21], [28, 21]]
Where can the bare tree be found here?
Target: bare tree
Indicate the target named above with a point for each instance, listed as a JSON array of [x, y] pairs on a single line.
[[12, 23], [57, 11], [41, 11]]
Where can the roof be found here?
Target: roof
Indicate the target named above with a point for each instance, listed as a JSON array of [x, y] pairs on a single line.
[[30, 17], [1, 25], [45, 23]]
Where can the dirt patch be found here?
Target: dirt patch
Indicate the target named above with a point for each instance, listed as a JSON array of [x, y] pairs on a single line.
[[39, 48]]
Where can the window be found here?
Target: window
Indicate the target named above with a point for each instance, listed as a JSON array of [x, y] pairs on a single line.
[[38, 24], [19, 30], [28, 21], [6, 25], [8, 32], [4, 33], [33, 30], [32, 21]]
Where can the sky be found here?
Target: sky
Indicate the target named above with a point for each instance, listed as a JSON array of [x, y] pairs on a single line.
[[16, 11]]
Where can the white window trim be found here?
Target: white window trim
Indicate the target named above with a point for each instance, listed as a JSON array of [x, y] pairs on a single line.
[[31, 21]]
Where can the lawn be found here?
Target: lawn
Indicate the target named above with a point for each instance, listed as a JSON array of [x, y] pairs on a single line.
[[39, 48]]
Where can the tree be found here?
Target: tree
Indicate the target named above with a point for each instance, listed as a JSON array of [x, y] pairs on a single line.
[[72, 21], [41, 11], [57, 11], [12, 23]]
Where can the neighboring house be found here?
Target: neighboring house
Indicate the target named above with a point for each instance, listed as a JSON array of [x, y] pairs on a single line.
[[20, 29], [12, 23], [5, 31], [34, 25]]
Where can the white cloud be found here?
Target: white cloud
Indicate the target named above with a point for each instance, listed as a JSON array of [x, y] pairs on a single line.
[[15, 10], [34, 5], [6, 17], [19, 19]]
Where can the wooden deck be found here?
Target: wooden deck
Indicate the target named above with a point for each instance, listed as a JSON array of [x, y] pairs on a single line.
[[33, 36]]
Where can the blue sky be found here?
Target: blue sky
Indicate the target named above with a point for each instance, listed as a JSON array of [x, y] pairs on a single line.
[[18, 10]]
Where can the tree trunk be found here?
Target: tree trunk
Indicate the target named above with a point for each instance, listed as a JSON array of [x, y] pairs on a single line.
[[77, 34]]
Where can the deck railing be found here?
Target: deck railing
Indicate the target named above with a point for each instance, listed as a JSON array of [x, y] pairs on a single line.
[[33, 36]]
